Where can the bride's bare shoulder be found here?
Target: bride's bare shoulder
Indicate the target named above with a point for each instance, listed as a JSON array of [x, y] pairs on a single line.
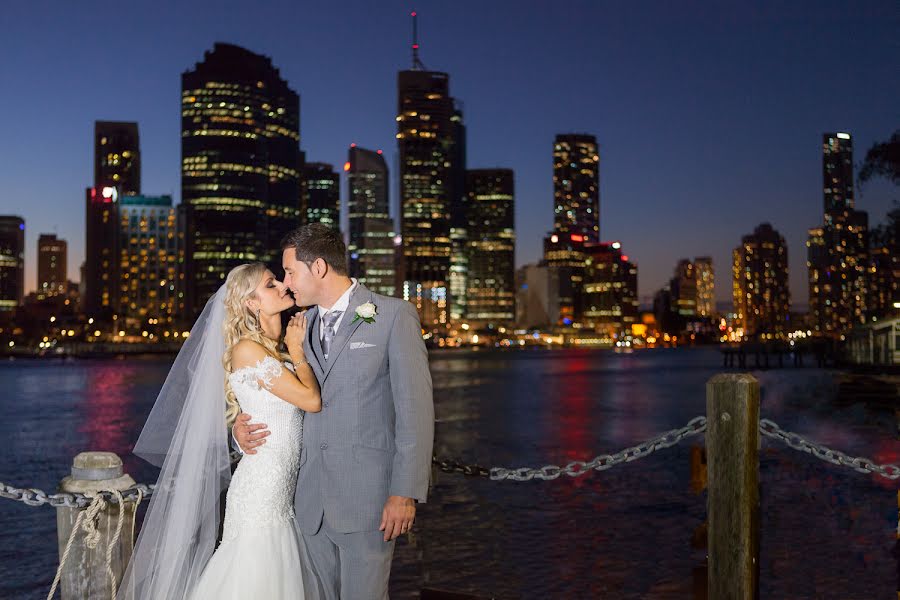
[[246, 353]]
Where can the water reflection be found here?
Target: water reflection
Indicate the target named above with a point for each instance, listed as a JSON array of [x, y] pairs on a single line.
[[633, 531]]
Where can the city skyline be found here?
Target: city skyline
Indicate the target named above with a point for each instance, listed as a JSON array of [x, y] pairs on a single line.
[[657, 179]]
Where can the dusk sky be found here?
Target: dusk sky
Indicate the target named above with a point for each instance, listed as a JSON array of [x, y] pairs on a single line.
[[709, 119]]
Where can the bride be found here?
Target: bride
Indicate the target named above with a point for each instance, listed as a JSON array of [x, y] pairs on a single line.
[[230, 361]]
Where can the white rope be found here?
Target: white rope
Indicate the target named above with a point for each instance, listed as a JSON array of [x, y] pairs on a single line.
[[92, 535]]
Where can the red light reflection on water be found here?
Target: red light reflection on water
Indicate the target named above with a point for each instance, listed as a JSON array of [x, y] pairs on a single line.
[[573, 413], [107, 415]]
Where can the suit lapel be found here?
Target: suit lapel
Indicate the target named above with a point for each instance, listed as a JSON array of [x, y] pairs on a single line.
[[313, 347], [346, 328]]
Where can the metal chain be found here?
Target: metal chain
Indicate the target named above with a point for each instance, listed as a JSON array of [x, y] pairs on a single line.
[[36, 497], [695, 426], [836, 457]]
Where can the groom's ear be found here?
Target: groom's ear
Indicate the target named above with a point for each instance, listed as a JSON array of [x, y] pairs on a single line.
[[320, 267]]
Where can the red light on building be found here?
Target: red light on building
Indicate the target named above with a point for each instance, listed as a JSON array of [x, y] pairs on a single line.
[[577, 238], [412, 14], [624, 258], [353, 145], [346, 166], [380, 152]]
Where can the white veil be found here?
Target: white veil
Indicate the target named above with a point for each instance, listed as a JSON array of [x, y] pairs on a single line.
[[185, 434]]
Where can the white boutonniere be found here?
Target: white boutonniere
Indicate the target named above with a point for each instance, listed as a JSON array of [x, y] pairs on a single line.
[[366, 312]]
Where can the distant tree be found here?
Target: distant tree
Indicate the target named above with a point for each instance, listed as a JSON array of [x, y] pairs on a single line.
[[882, 160], [887, 233]]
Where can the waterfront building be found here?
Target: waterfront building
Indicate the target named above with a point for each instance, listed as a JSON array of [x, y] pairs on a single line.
[[240, 183], [371, 230], [491, 247], [760, 284], [52, 276], [12, 262]]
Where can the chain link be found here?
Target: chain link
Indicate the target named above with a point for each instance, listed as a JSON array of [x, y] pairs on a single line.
[[36, 497], [836, 457], [695, 426]]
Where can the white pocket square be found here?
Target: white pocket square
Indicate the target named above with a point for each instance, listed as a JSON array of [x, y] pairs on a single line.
[[355, 345]]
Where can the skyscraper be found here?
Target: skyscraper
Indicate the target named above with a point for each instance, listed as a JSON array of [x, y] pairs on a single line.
[[762, 299], [610, 293], [52, 278], [684, 289], [371, 248], [101, 264], [566, 254], [491, 247], [12, 262], [884, 274], [117, 173], [459, 221], [322, 194], [817, 278], [576, 186], [706, 285], [429, 167], [837, 172], [240, 134], [150, 294], [838, 269], [117, 156]]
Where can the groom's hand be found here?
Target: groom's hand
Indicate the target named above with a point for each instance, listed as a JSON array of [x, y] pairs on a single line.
[[249, 436], [397, 517]]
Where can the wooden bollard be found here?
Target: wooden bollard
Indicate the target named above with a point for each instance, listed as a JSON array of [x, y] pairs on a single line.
[[84, 575], [732, 449]]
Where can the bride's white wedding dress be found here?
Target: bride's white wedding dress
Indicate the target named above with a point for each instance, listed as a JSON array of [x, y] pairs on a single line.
[[259, 556]]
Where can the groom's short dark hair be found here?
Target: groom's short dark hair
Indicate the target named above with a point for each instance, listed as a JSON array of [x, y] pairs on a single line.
[[316, 240]]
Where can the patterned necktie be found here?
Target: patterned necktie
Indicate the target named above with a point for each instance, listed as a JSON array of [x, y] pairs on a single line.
[[328, 321]]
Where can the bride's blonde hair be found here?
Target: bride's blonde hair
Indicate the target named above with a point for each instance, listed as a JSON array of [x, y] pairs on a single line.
[[242, 323]]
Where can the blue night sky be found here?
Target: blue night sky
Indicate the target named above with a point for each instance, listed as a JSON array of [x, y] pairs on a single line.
[[709, 118]]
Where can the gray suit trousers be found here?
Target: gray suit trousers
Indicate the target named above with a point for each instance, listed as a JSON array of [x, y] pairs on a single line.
[[347, 566]]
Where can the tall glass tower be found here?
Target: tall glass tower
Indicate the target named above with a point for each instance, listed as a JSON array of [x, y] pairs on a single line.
[[240, 134], [52, 278], [322, 194], [12, 262], [371, 246], [428, 129], [576, 186], [117, 156], [838, 252], [491, 247]]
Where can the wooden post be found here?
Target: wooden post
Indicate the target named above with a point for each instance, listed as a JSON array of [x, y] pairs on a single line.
[[732, 447], [84, 574]]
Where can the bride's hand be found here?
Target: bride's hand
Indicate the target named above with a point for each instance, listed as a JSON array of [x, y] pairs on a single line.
[[296, 334]]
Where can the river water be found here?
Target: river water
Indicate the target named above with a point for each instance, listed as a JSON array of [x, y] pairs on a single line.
[[826, 531]]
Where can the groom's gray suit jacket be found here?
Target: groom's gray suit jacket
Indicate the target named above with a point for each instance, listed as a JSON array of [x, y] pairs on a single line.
[[374, 435]]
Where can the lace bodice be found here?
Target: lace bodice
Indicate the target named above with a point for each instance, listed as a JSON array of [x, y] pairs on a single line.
[[252, 385], [262, 487]]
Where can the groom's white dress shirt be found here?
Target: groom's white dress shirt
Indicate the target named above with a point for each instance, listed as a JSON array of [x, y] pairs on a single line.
[[342, 304]]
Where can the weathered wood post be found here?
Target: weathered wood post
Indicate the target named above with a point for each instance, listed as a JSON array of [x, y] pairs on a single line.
[[732, 447], [84, 575]]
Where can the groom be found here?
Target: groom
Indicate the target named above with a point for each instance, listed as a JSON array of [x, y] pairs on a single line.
[[366, 456]]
